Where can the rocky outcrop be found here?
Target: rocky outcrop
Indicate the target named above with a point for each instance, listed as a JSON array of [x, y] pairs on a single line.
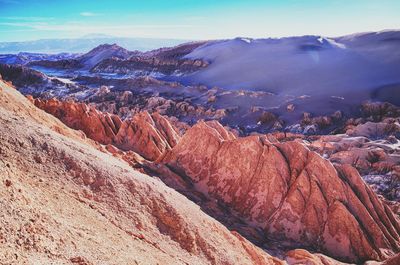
[[292, 193], [378, 111], [87, 60], [374, 130], [23, 58], [165, 61], [31, 82], [103, 52], [175, 52], [301, 257], [393, 260], [378, 161], [59, 64], [101, 127], [20, 75], [310, 125], [148, 65], [148, 135], [64, 202]]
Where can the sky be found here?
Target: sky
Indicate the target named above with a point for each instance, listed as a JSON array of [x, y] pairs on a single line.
[[22, 20]]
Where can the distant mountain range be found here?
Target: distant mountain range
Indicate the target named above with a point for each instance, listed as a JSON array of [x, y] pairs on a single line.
[[84, 44], [316, 74]]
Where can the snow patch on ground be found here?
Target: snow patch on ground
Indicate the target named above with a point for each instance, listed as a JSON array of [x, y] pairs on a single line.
[[64, 80], [247, 40], [334, 43]]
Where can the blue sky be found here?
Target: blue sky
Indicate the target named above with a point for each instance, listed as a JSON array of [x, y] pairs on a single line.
[[193, 19]]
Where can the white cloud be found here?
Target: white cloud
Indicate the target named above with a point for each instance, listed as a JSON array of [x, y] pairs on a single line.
[[33, 25], [28, 18], [89, 14]]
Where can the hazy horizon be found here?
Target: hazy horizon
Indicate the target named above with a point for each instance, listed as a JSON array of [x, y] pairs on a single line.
[[111, 37]]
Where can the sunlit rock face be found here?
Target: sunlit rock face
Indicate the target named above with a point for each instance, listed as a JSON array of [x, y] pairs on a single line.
[[148, 135], [294, 194]]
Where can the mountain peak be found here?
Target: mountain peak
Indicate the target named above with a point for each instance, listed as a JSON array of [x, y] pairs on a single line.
[[102, 52], [107, 46]]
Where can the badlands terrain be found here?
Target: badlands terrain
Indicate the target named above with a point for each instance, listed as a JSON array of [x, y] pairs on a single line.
[[270, 151]]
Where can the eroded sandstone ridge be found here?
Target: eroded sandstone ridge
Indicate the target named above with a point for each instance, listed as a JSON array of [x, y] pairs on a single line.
[[150, 135], [294, 194]]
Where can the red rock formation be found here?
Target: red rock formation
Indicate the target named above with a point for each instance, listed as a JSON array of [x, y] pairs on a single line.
[[294, 194], [101, 127], [148, 135], [301, 256], [64, 202], [378, 161], [395, 260]]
